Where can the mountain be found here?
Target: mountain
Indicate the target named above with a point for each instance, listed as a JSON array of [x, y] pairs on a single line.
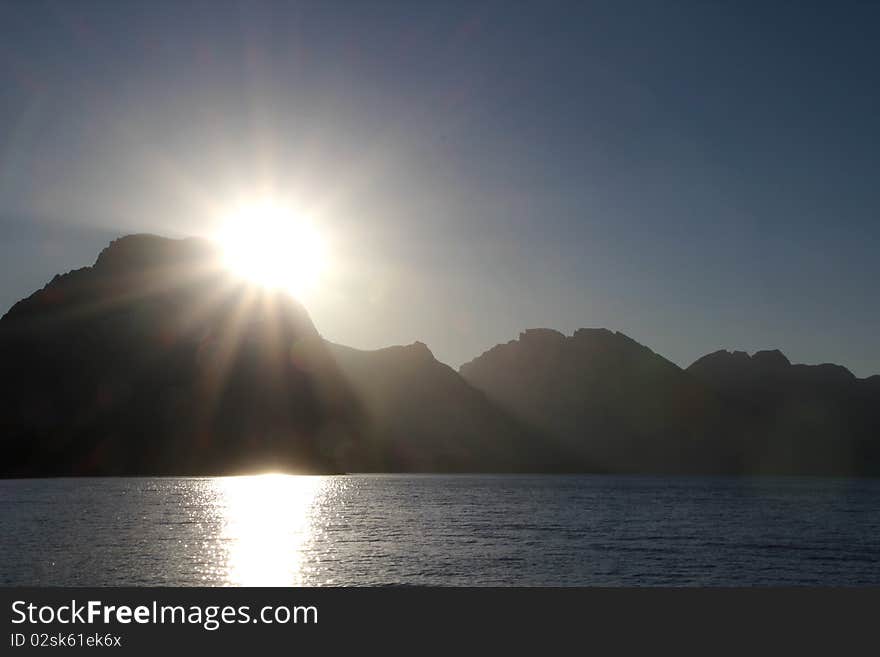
[[609, 402], [156, 361], [613, 403], [421, 415], [805, 419]]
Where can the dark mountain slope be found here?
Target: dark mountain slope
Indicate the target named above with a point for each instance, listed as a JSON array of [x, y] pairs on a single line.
[[422, 416], [611, 401], [154, 360], [811, 419], [608, 401]]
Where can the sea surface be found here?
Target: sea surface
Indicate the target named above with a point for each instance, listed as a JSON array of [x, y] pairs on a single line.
[[440, 530]]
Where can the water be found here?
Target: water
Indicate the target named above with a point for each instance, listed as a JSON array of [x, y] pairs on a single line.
[[446, 530]]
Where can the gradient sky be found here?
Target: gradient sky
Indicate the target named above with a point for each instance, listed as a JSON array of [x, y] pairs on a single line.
[[696, 175]]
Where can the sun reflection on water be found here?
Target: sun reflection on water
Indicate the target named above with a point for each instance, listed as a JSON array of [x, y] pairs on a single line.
[[267, 525]]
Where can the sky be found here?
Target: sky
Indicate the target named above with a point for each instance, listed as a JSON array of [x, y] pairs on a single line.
[[699, 176]]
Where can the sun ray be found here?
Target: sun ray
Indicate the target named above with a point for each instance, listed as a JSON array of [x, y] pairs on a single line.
[[218, 353]]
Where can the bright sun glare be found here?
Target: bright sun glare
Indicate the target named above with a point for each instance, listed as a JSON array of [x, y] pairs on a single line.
[[270, 245], [268, 525]]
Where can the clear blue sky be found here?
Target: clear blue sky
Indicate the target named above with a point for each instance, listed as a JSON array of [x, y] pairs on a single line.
[[697, 175]]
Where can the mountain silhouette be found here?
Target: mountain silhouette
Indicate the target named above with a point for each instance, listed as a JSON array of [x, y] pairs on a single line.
[[420, 415], [614, 402], [607, 401], [807, 419], [156, 360]]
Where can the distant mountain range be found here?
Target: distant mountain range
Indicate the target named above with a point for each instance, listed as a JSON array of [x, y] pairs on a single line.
[[613, 403], [155, 360]]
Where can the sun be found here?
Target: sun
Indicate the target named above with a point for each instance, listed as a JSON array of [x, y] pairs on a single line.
[[268, 244]]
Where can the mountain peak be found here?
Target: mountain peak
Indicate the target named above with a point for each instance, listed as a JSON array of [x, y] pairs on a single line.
[[539, 335], [766, 359], [418, 349], [146, 251], [739, 370], [771, 358]]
